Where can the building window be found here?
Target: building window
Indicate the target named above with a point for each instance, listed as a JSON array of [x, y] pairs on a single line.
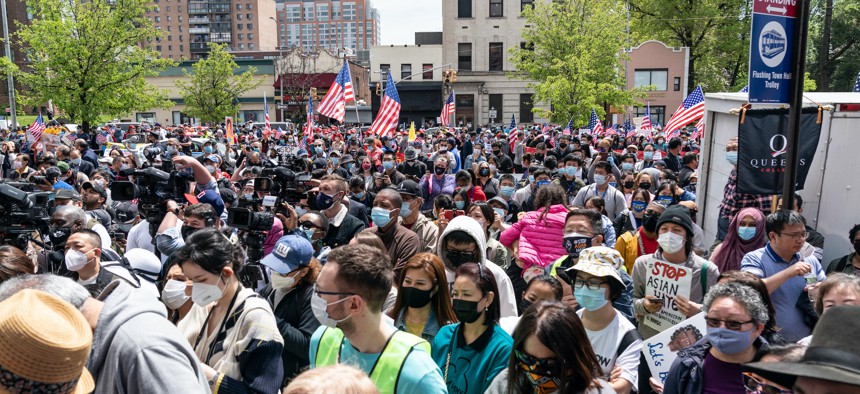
[[238, 6], [249, 16], [383, 68], [657, 113], [658, 78], [526, 105], [677, 85], [464, 56], [251, 45], [168, 18], [238, 16], [428, 71], [464, 8], [248, 6], [496, 56], [170, 47], [405, 71], [241, 46], [249, 26], [526, 3], [158, 19], [496, 9], [238, 26], [250, 36], [241, 36], [158, 48]]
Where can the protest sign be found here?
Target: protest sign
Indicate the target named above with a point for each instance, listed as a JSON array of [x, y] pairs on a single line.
[[665, 281], [661, 350]]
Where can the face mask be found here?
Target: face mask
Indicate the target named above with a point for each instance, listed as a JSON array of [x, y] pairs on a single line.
[[525, 304], [531, 179], [300, 211], [600, 179], [350, 166], [497, 152], [645, 185], [459, 258], [204, 294], [627, 166], [665, 200], [207, 149], [318, 150], [541, 183], [416, 298], [387, 165], [173, 294], [59, 235], [591, 300], [746, 233], [542, 384], [186, 231], [439, 170], [466, 311], [648, 155], [16, 165], [857, 246], [75, 260], [459, 205], [728, 341], [613, 184], [335, 160], [365, 166], [562, 146], [319, 307], [500, 212], [649, 222], [324, 201], [507, 191], [575, 243], [484, 172], [732, 157], [629, 184], [670, 242], [282, 282], [405, 210], [76, 162], [249, 196], [380, 216]]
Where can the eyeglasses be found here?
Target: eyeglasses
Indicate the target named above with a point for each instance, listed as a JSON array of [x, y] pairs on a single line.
[[320, 292], [591, 284], [541, 366], [795, 235], [730, 324], [755, 386]]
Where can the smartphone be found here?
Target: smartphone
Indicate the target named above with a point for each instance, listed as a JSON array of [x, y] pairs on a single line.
[[450, 214]]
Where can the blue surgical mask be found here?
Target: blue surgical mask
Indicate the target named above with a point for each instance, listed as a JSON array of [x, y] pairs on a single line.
[[460, 204], [531, 179], [638, 206], [665, 200], [746, 233], [405, 210], [335, 160], [501, 212], [207, 149], [542, 183], [380, 216], [600, 179], [300, 211], [387, 165], [648, 155], [627, 166], [732, 157], [358, 195], [507, 191], [591, 300], [729, 341]]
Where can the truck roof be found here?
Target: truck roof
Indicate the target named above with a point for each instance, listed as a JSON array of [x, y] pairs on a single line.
[[809, 97]]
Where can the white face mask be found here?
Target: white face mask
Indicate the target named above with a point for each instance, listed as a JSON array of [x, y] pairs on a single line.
[[282, 282], [173, 294], [670, 242], [319, 307], [204, 294], [75, 260]]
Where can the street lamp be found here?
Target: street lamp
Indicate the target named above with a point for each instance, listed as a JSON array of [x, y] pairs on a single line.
[[278, 70]]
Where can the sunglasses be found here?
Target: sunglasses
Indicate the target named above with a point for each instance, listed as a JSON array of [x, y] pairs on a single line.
[[308, 225], [730, 324], [541, 366], [755, 386]]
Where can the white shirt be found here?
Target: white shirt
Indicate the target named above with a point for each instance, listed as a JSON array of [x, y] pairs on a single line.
[[507, 300], [521, 195], [138, 237], [339, 216], [605, 343]]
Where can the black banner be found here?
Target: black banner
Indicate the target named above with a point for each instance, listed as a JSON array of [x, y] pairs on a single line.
[[762, 154]]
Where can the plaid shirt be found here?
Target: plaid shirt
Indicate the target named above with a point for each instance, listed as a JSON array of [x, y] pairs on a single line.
[[733, 202]]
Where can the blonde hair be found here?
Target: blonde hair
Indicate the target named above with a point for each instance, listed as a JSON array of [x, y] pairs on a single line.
[[333, 379]]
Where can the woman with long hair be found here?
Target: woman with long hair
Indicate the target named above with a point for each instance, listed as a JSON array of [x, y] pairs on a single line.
[[552, 354], [746, 233], [485, 216], [423, 302]]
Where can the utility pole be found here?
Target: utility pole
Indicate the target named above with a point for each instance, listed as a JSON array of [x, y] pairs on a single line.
[[10, 79], [798, 63]]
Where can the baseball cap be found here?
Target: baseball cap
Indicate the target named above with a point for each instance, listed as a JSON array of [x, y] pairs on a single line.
[[67, 194], [319, 163], [210, 197], [409, 187], [126, 211], [95, 186], [63, 166], [214, 158], [290, 252]]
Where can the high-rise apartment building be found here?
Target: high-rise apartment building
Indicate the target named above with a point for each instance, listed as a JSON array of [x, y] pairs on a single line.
[[189, 26], [329, 24]]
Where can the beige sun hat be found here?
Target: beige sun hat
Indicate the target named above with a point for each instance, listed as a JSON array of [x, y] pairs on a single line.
[[599, 261], [44, 345]]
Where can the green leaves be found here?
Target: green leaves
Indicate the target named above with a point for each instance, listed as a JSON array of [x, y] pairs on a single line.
[[87, 57], [576, 58], [212, 91]]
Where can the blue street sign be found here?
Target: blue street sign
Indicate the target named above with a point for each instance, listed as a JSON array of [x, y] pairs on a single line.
[[771, 48]]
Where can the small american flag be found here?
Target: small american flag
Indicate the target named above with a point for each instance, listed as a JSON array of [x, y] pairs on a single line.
[[646, 120], [700, 129], [34, 132], [512, 134], [389, 111], [691, 110], [333, 104], [266, 107], [611, 131], [447, 110], [857, 83], [568, 128], [594, 123], [629, 128]]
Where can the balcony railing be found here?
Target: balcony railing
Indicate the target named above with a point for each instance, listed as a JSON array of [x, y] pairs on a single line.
[[198, 20], [198, 30]]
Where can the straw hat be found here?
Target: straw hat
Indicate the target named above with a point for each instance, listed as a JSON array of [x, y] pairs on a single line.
[[45, 345]]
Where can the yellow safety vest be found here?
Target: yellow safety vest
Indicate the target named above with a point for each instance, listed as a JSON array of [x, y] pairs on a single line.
[[385, 372]]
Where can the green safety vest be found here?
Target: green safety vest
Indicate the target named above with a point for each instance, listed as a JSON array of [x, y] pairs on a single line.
[[386, 371]]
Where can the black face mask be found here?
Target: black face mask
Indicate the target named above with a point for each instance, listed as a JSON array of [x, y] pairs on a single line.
[[575, 245], [187, 231], [857, 246], [525, 304], [459, 258], [539, 157], [562, 146], [59, 235], [466, 311], [416, 298], [649, 222], [440, 170], [497, 152], [484, 172], [645, 185], [629, 184]]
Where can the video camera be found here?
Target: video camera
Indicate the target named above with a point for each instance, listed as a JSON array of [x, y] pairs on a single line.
[[287, 184], [253, 226], [152, 187], [23, 212]]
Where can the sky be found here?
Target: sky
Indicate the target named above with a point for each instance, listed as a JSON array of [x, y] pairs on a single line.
[[400, 19]]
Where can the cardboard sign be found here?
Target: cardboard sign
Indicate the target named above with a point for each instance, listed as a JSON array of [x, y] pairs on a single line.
[[665, 281], [661, 350]]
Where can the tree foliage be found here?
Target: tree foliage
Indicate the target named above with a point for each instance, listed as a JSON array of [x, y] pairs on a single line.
[[89, 58], [574, 50], [834, 68], [212, 91]]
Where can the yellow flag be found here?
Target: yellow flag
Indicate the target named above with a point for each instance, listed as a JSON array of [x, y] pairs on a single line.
[[412, 132]]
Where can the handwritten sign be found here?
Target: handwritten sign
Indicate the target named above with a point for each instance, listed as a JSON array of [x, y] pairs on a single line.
[[665, 281], [661, 350]]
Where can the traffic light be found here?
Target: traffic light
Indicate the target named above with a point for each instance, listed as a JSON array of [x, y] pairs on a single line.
[[379, 89], [449, 75], [453, 76]]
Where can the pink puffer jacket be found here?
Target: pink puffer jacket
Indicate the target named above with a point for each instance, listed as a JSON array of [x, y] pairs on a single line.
[[540, 239]]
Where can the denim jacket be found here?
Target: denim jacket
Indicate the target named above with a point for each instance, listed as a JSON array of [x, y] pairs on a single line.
[[430, 329]]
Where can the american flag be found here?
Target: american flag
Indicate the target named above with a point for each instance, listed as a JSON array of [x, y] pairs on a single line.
[[389, 111], [857, 83], [629, 128], [512, 134], [447, 110], [309, 130], [333, 104], [700, 129], [611, 131], [691, 110], [34, 132], [746, 89], [594, 123], [646, 120], [266, 107], [568, 128]]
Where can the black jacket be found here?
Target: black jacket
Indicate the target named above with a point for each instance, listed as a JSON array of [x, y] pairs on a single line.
[[296, 323], [339, 236]]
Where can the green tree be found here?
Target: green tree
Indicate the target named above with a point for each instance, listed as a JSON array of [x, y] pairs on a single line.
[[90, 58], [212, 91], [574, 50], [834, 44]]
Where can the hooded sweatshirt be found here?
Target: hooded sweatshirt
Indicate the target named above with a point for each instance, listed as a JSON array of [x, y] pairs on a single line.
[[137, 350], [470, 226]]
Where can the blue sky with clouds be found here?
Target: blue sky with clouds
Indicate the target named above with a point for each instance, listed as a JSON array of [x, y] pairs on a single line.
[[400, 19]]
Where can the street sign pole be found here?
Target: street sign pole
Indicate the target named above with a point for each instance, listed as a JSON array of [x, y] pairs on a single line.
[[798, 65]]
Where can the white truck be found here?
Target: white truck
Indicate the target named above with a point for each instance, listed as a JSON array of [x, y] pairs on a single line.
[[831, 195]]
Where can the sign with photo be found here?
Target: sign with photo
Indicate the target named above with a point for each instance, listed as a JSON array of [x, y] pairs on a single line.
[[665, 281], [661, 350]]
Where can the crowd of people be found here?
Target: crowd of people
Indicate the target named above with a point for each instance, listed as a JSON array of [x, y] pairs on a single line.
[[460, 261]]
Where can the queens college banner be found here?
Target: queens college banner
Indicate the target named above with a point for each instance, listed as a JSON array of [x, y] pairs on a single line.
[[762, 149]]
